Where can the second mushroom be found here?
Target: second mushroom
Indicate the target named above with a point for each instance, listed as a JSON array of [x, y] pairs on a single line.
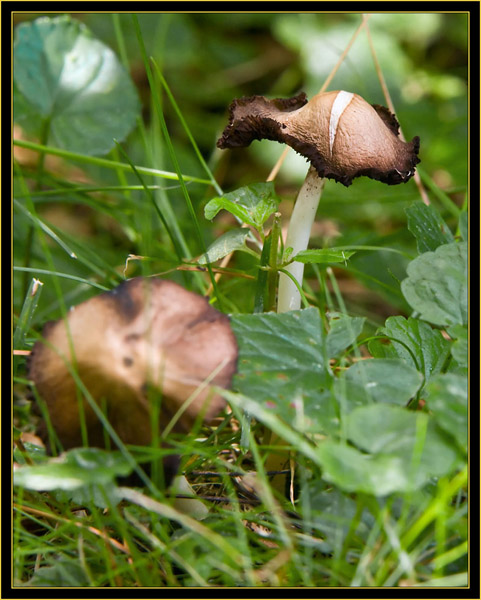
[[146, 338]]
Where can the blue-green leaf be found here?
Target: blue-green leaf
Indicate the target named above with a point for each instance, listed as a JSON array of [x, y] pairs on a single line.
[[72, 470], [437, 285], [419, 344], [228, 242], [377, 380], [448, 400], [343, 331], [459, 349], [401, 451], [354, 471], [428, 227], [282, 365], [74, 83], [252, 204]]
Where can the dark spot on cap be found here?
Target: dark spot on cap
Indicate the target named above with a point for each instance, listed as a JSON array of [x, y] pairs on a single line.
[[126, 303], [209, 315]]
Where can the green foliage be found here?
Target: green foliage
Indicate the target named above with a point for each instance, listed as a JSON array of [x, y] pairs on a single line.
[[64, 573], [371, 407], [282, 363], [448, 399], [428, 227], [405, 435], [322, 256], [459, 348], [231, 241], [73, 85], [383, 380], [400, 451], [75, 469], [343, 331], [437, 285], [252, 204], [415, 342]]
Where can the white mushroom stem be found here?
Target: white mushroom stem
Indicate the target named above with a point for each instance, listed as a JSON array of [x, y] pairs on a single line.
[[298, 235]]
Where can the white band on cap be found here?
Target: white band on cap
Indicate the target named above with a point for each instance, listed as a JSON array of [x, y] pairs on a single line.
[[339, 105]]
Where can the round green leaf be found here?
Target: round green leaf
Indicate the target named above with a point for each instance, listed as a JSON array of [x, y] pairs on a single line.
[[404, 449], [74, 83], [437, 285], [64, 573], [73, 469], [448, 399], [413, 340], [380, 380], [343, 331], [332, 512], [282, 366], [428, 227], [411, 436], [353, 471], [460, 346]]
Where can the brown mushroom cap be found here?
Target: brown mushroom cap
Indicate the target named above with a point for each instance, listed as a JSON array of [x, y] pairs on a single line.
[[145, 334], [339, 132]]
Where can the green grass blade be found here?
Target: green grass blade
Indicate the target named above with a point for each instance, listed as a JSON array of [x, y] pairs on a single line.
[[217, 187], [39, 223], [104, 162], [63, 275], [25, 318]]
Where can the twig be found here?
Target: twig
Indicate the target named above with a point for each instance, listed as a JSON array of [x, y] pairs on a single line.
[[389, 102]]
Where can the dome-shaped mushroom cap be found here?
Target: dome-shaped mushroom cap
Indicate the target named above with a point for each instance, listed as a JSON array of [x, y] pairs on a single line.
[[145, 336], [339, 132]]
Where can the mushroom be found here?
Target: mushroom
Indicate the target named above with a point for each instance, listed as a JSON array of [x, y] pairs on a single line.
[[146, 334], [338, 132], [341, 135]]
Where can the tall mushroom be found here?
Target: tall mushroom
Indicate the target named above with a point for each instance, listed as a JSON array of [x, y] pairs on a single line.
[[341, 135], [145, 334]]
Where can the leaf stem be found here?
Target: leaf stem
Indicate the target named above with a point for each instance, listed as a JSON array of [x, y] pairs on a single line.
[[272, 274], [298, 238]]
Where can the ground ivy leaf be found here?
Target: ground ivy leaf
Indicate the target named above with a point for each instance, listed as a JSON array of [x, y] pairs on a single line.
[[333, 511], [282, 365], [252, 204], [354, 471], [322, 255], [426, 350], [75, 82], [343, 331], [428, 227], [380, 380], [437, 285], [228, 242], [413, 437], [459, 349], [448, 400], [73, 469]]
